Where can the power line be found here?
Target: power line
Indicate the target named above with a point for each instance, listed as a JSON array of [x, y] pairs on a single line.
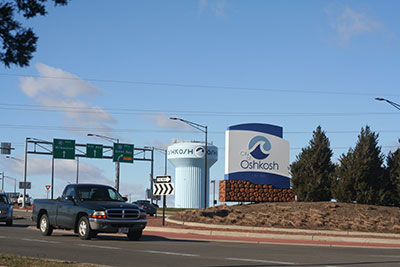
[[82, 129], [184, 85], [94, 110]]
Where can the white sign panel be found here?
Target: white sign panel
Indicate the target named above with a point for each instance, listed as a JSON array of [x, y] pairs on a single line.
[[161, 189], [258, 153]]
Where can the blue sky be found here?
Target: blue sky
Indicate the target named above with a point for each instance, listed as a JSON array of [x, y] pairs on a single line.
[[296, 64]]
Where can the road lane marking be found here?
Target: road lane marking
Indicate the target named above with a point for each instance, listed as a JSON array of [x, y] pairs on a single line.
[[39, 240], [94, 246], [2, 237], [263, 261], [171, 253]]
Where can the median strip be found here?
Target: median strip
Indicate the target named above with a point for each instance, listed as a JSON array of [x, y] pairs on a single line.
[[94, 246], [171, 253], [39, 240], [262, 261]]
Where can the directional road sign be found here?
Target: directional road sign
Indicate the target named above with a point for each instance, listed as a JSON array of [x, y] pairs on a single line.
[[163, 179], [160, 189], [26, 185], [94, 151], [6, 148], [123, 153], [63, 149]]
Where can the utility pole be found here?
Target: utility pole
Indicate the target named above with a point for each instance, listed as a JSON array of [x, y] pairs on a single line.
[[2, 181]]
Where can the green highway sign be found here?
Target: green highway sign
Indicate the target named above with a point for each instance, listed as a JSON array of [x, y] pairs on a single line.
[[94, 151], [123, 153], [63, 149]]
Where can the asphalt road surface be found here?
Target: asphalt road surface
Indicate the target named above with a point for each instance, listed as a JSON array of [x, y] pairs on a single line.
[[117, 250]]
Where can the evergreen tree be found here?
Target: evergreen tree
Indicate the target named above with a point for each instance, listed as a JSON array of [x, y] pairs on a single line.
[[361, 172], [390, 194], [313, 170], [17, 42]]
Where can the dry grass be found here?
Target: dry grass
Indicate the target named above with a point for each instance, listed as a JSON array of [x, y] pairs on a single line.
[[10, 260]]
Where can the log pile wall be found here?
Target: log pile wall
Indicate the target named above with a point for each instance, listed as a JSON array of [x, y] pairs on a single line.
[[244, 191]]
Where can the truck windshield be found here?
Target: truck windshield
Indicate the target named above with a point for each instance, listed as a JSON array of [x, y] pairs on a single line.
[[100, 193]]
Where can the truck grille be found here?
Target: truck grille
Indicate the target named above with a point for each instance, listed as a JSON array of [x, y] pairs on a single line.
[[122, 214]]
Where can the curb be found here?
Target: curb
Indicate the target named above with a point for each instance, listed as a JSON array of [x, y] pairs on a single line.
[[277, 236], [285, 230]]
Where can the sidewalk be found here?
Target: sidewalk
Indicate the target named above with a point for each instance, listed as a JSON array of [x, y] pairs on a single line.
[[228, 233]]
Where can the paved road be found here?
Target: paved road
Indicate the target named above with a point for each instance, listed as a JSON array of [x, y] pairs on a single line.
[[115, 250]]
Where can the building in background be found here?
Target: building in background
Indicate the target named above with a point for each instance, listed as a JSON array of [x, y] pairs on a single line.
[[189, 162]]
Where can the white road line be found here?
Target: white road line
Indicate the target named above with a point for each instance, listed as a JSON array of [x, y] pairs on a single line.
[[263, 261], [39, 240], [171, 253], [2, 237], [94, 246]]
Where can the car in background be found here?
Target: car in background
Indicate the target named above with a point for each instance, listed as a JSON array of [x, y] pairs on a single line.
[[27, 199], [151, 209], [6, 210], [13, 197]]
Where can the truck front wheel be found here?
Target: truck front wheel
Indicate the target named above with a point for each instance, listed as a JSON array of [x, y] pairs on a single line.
[[84, 230], [44, 225], [134, 235]]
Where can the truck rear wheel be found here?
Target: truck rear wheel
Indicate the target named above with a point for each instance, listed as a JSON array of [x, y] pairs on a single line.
[[84, 230], [44, 225], [134, 235]]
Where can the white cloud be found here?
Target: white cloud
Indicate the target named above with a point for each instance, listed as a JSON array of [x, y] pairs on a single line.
[[217, 7], [350, 23], [65, 95]]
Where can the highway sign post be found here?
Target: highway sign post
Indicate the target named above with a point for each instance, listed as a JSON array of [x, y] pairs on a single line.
[[123, 153], [163, 187], [47, 190], [63, 149], [94, 151]]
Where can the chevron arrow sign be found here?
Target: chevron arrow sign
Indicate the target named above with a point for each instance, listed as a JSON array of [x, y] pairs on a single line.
[[161, 189]]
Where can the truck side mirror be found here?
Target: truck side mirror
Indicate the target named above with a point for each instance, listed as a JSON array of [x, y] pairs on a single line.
[[70, 198], [125, 199]]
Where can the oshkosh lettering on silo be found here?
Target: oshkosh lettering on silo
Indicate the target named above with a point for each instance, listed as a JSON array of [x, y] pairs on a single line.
[[181, 151]]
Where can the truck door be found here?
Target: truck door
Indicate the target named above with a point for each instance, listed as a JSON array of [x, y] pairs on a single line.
[[65, 209]]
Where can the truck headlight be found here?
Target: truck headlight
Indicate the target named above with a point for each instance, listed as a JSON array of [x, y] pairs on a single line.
[[99, 215], [4, 211]]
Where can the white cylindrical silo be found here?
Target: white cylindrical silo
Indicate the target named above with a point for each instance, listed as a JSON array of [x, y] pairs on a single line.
[[189, 161]]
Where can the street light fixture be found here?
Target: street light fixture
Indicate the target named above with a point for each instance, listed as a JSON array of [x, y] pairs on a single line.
[[15, 180], [117, 166], [388, 101], [203, 129]]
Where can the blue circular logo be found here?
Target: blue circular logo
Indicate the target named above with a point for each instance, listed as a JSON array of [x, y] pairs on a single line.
[[259, 147]]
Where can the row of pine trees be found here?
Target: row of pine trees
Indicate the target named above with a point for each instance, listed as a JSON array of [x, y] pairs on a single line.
[[362, 175]]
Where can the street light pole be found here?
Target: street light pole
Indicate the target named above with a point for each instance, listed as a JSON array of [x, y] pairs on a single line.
[[388, 101], [77, 169], [25, 169], [2, 181], [203, 129], [15, 180], [117, 166]]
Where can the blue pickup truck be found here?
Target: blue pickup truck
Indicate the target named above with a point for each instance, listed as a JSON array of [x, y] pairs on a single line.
[[89, 209]]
